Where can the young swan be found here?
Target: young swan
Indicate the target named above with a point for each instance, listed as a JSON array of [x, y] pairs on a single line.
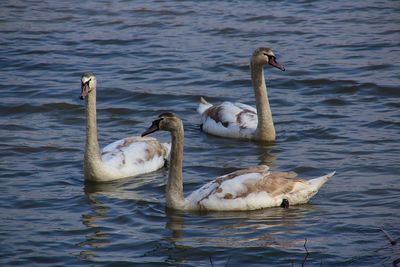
[[248, 189], [124, 158], [237, 120]]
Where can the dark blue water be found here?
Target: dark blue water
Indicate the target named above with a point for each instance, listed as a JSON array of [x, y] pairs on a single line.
[[335, 108]]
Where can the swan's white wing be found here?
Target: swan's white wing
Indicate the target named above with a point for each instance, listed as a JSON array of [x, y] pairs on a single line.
[[245, 106], [230, 119], [203, 106], [224, 193], [133, 155]]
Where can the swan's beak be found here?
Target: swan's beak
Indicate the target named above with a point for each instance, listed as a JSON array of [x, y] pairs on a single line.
[[153, 128], [84, 90], [275, 64]]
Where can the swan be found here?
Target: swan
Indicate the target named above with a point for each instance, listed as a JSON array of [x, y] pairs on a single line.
[[123, 158], [247, 189], [237, 120]]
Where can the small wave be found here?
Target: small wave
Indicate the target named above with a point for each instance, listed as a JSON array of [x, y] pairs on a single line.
[[335, 102], [383, 124], [227, 31], [172, 13]]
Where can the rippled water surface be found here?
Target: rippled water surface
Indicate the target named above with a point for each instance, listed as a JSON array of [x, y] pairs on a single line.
[[335, 108]]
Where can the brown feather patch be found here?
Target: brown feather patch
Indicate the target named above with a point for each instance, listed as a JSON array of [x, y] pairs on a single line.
[[274, 183], [232, 175], [228, 196], [256, 169], [154, 148], [213, 113], [239, 118]]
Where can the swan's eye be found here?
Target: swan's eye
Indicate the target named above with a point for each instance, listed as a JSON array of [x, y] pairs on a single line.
[[272, 58], [157, 121]]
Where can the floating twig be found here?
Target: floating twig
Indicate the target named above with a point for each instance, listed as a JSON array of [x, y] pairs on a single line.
[[307, 253], [212, 265], [391, 240], [227, 262]]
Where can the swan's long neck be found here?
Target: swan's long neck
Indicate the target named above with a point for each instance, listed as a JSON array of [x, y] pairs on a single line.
[[92, 148], [174, 190], [265, 128]]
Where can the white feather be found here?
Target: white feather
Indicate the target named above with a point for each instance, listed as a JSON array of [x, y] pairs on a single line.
[[228, 113], [132, 159], [203, 106]]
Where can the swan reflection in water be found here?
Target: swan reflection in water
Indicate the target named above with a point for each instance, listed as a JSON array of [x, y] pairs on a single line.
[[271, 227], [99, 197], [266, 157]]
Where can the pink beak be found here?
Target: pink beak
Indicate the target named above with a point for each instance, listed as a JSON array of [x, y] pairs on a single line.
[[275, 64], [84, 91]]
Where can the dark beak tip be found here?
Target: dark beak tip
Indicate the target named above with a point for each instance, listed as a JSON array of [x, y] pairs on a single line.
[[147, 132]]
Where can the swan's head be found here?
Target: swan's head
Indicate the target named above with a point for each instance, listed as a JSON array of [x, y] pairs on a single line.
[[88, 84], [167, 121], [262, 56]]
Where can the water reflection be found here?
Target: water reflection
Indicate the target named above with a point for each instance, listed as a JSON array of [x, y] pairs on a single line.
[[123, 188], [272, 227], [98, 237], [264, 150], [175, 223], [100, 198]]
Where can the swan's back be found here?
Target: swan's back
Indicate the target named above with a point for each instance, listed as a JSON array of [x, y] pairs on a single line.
[[133, 155], [235, 120], [254, 188]]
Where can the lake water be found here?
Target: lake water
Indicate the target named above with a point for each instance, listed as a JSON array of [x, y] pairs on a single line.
[[336, 107]]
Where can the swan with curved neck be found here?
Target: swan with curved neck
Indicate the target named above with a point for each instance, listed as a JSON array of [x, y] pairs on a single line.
[[237, 120], [127, 157], [247, 189]]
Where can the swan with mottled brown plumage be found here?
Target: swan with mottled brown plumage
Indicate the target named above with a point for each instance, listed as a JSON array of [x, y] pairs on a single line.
[[247, 189], [127, 157], [237, 120]]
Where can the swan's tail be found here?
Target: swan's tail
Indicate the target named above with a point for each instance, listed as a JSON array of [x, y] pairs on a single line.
[[167, 149], [317, 183], [203, 106]]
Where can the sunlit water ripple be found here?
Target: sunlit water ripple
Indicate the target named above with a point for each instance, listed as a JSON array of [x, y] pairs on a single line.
[[335, 108]]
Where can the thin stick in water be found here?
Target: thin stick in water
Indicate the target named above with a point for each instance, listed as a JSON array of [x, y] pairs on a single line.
[[305, 258], [391, 240]]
